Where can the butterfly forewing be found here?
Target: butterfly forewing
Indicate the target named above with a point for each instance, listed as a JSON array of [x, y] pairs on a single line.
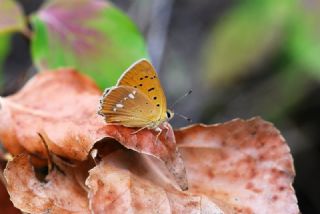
[[142, 76], [128, 106]]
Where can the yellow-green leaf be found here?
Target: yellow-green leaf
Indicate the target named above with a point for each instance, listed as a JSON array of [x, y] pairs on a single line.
[[11, 17]]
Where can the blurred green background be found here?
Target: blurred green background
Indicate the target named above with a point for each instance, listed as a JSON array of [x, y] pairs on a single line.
[[240, 58]]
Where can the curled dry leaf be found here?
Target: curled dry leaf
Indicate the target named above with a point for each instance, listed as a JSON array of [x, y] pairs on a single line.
[[146, 142], [63, 106], [124, 183], [236, 167], [240, 166], [245, 164], [60, 194]]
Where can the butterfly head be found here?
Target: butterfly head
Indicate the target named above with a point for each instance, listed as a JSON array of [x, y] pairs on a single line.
[[170, 114]]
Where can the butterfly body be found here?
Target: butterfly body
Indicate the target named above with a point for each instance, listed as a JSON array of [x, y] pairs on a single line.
[[137, 100]]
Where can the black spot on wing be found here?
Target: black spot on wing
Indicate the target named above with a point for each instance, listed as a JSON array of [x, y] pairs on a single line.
[[150, 89]]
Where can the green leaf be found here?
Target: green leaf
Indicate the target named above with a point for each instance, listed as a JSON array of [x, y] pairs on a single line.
[[242, 38], [91, 36], [303, 42], [11, 17], [4, 48]]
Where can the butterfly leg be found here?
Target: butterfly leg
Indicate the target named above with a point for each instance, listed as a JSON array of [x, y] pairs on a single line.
[[159, 130], [135, 132]]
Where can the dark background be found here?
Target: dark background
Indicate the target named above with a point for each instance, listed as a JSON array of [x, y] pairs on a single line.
[[186, 40]]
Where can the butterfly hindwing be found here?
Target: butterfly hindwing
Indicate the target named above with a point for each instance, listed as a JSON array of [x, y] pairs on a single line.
[[127, 106], [142, 76]]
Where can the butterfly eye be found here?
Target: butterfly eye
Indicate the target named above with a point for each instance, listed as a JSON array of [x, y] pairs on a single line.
[[168, 115]]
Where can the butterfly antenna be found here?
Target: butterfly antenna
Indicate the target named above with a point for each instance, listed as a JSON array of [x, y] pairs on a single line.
[[180, 98], [184, 117]]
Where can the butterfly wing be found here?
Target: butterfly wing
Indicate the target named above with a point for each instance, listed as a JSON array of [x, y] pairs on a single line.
[[143, 77], [127, 106]]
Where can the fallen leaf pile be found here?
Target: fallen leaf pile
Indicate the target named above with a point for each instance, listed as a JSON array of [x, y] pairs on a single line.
[[242, 166]]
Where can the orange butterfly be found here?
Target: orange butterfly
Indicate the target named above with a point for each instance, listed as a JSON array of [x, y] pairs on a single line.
[[137, 100]]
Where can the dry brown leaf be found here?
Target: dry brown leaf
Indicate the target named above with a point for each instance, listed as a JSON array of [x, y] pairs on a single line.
[[146, 142], [60, 194], [236, 167], [119, 184], [246, 164], [241, 166], [62, 105]]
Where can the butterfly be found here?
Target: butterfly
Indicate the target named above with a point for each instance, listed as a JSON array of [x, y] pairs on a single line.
[[137, 100]]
